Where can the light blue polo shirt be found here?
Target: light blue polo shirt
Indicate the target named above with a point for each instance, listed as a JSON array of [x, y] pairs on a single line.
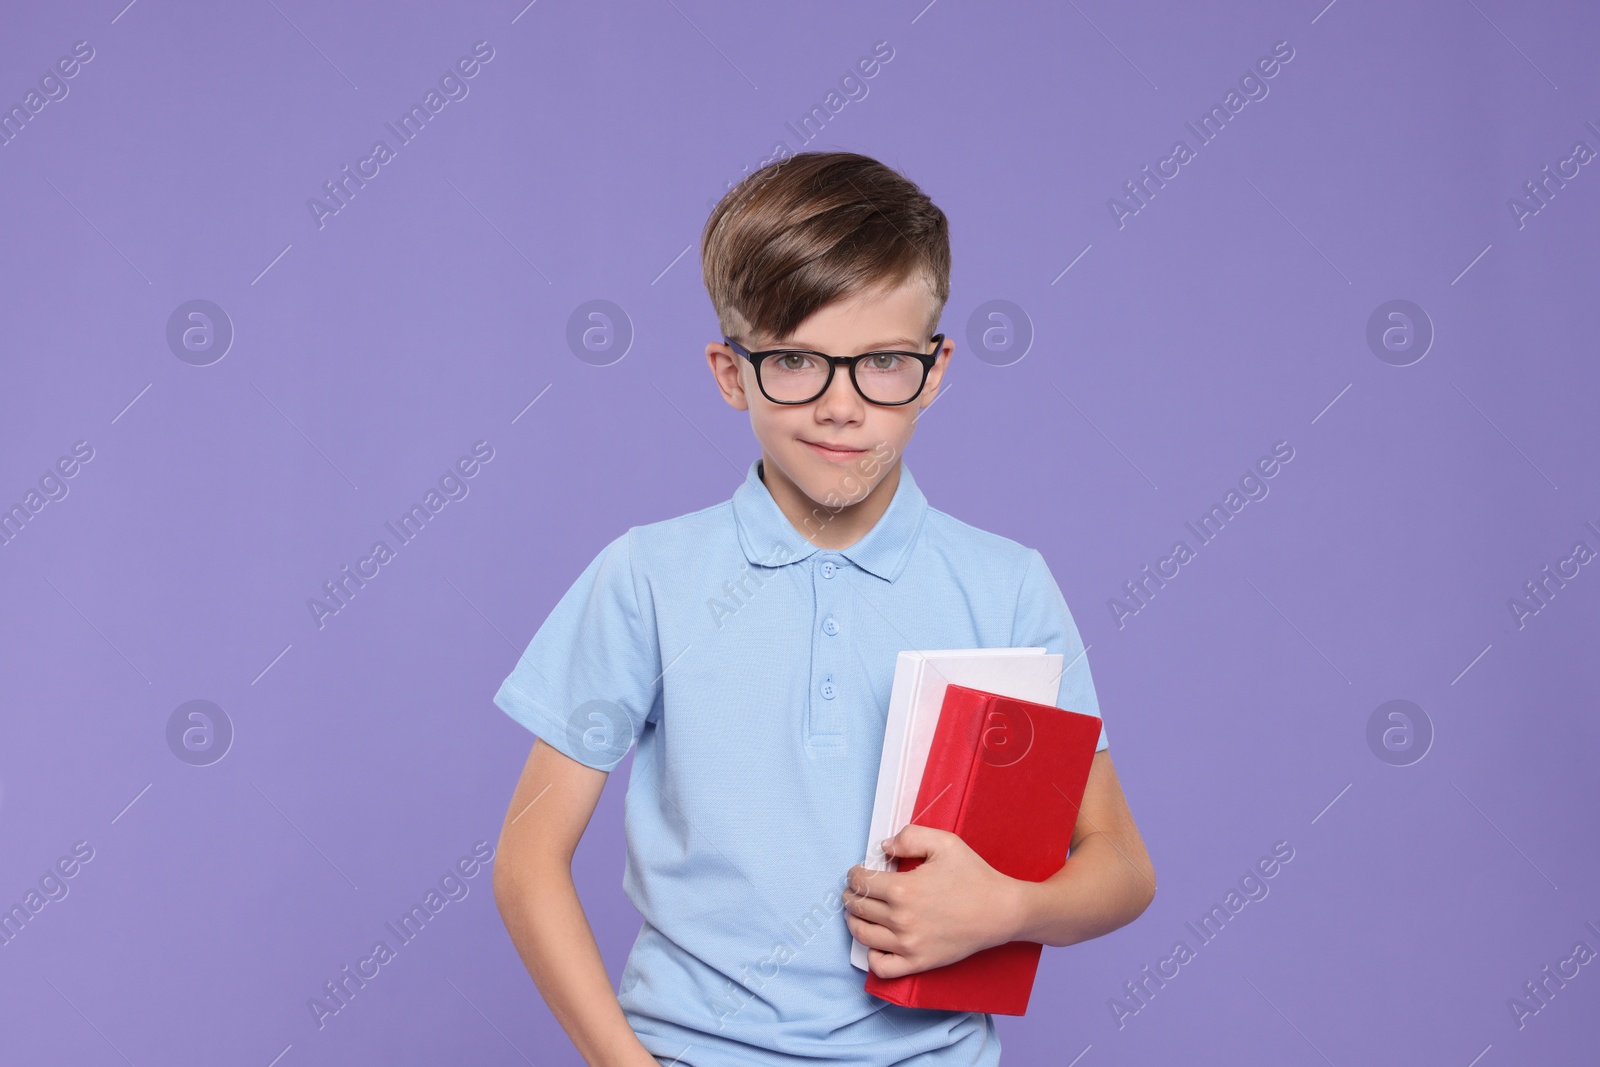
[[752, 669]]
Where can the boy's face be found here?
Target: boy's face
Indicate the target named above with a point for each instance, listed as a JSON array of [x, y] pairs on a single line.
[[866, 439]]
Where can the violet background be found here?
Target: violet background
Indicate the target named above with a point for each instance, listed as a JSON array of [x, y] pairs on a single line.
[[1230, 313]]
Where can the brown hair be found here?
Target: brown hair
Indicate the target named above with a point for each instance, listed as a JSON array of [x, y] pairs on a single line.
[[807, 230]]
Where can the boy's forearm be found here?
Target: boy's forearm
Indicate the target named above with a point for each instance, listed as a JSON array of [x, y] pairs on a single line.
[[1099, 889], [545, 919]]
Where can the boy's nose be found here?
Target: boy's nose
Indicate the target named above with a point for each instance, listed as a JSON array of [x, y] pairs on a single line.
[[841, 397]]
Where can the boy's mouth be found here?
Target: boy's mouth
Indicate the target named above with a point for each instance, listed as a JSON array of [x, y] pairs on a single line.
[[836, 454]]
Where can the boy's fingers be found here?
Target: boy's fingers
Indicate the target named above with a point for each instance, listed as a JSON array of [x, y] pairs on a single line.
[[887, 964], [875, 937], [863, 883], [871, 909]]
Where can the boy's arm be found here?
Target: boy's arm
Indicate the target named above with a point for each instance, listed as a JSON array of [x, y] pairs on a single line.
[[955, 904], [538, 902], [1108, 879]]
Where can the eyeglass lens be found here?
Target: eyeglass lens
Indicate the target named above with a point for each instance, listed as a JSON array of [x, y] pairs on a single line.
[[883, 377]]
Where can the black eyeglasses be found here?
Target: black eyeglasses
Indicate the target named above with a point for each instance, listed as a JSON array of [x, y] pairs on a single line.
[[799, 376]]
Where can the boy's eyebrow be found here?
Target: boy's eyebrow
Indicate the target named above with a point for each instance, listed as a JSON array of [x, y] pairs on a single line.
[[900, 343]]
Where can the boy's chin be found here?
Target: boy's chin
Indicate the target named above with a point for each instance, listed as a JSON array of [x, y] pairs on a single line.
[[836, 488]]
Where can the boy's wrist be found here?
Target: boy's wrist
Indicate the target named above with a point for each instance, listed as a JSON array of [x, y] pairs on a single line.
[[1019, 905]]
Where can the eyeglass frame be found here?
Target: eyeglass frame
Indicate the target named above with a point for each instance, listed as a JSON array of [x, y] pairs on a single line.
[[926, 359]]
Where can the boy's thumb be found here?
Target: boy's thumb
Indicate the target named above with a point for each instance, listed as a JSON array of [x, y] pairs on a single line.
[[910, 841]]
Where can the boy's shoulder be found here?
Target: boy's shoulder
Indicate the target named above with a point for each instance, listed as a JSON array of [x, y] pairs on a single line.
[[981, 539], [980, 542], [680, 537], [685, 527]]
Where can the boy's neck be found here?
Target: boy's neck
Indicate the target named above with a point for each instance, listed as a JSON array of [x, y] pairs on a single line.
[[822, 525]]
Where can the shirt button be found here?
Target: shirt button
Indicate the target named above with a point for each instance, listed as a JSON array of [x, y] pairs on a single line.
[[828, 569], [830, 626], [829, 690]]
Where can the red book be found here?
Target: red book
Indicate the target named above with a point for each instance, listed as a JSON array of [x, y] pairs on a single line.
[[1007, 777]]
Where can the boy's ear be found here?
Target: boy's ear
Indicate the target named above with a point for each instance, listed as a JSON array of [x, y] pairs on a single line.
[[727, 368], [936, 374]]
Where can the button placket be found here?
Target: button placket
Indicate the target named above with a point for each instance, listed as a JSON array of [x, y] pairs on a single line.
[[826, 721]]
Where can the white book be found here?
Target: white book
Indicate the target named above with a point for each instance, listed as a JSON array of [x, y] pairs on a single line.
[[920, 679]]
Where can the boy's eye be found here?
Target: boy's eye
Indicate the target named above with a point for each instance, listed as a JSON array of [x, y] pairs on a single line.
[[796, 361]]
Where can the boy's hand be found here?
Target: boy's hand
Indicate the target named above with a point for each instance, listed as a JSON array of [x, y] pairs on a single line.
[[952, 905]]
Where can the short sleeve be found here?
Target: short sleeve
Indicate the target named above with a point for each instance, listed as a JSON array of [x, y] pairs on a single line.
[[1043, 619], [591, 677]]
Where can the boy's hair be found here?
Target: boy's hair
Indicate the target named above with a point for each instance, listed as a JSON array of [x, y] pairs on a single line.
[[807, 230]]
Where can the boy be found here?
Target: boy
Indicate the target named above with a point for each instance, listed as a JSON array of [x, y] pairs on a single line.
[[748, 650]]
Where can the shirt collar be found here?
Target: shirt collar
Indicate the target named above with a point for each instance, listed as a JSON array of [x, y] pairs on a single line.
[[769, 539]]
